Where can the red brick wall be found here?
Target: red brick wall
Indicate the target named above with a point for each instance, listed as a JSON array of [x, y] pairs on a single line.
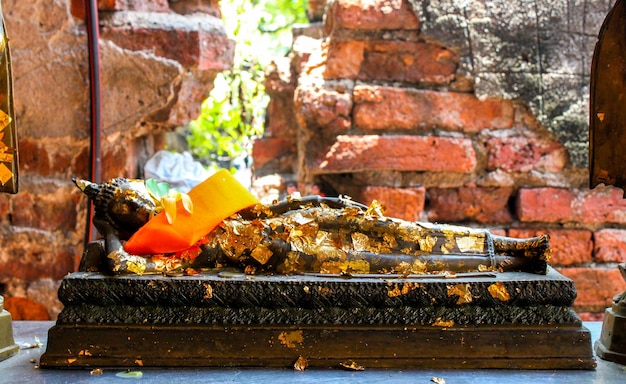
[[387, 111], [158, 64]]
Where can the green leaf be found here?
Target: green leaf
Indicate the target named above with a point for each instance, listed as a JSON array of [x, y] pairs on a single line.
[[130, 375]]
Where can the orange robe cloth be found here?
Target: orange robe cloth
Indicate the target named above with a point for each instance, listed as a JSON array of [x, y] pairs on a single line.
[[214, 200]]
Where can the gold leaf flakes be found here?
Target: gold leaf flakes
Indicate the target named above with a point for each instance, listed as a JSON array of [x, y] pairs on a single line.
[[461, 290], [395, 292], [5, 174], [405, 289], [301, 364], [352, 365], [498, 291], [71, 360], [443, 323], [375, 209], [139, 362], [6, 157], [5, 120], [208, 291], [419, 267], [471, 243], [339, 267], [360, 241], [290, 339], [427, 243], [438, 380], [262, 254], [96, 371]]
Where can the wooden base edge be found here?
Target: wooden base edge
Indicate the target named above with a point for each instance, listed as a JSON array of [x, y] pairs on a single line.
[[502, 347]]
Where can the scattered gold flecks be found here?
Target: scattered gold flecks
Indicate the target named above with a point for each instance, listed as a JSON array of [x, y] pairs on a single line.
[[461, 290], [438, 380], [443, 323], [208, 291], [262, 254], [5, 174], [5, 120], [419, 267], [352, 365], [139, 362], [71, 360], [406, 288], [290, 339], [360, 241], [343, 267], [84, 353], [427, 243], [498, 291], [471, 243], [5, 156], [375, 209], [395, 292], [96, 371], [301, 364]]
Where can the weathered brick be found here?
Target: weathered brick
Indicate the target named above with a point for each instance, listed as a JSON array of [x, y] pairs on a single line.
[[521, 154], [212, 7], [52, 156], [343, 59], [35, 254], [34, 157], [117, 159], [267, 149], [77, 7], [370, 15], [409, 62], [325, 110], [569, 246], [22, 309], [610, 245], [596, 287], [401, 153], [558, 205], [196, 40], [281, 115], [484, 205], [388, 108], [45, 211], [403, 203]]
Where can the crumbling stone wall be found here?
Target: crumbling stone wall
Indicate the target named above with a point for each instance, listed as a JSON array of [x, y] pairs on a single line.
[[158, 59], [470, 112]]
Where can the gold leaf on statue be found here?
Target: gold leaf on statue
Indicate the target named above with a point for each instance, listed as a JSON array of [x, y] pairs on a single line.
[[498, 291], [461, 290], [471, 243], [5, 120], [262, 254], [5, 174]]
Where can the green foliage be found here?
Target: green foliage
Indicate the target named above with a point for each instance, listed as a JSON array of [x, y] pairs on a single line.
[[234, 113]]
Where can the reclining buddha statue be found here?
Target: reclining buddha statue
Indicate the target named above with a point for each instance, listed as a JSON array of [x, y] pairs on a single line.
[[220, 224]]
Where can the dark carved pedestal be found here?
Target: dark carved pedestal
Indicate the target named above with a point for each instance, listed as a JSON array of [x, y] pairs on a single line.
[[480, 320]]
